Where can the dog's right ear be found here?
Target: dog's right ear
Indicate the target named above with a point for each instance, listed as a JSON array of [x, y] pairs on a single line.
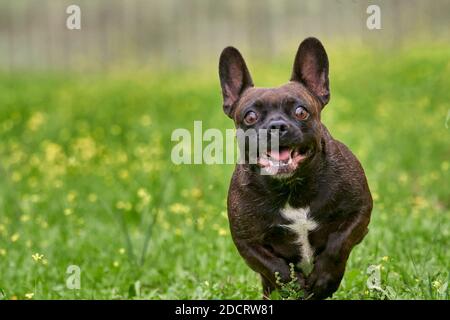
[[234, 78]]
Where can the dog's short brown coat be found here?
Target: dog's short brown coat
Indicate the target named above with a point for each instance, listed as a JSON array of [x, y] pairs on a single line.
[[331, 182]]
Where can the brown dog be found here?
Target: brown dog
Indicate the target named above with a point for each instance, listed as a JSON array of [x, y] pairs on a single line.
[[316, 205]]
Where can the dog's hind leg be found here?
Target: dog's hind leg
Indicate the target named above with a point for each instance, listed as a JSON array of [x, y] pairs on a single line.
[[268, 287]]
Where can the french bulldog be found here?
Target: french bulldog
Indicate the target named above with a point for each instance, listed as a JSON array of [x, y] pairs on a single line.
[[315, 206]]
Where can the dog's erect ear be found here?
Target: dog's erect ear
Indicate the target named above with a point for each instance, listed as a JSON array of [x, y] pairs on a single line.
[[311, 68], [234, 78]]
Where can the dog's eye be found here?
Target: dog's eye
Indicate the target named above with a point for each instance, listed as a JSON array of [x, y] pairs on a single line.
[[250, 118], [301, 113]]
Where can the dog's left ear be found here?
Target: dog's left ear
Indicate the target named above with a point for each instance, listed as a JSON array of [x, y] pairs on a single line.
[[311, 69]]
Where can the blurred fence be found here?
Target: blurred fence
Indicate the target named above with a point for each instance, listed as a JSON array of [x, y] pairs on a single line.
[[33, 33]]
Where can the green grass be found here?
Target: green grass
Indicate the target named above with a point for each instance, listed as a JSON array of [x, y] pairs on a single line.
[[86, 179]]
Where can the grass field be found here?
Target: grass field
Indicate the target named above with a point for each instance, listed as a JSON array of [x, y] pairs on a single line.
[[86, 179]]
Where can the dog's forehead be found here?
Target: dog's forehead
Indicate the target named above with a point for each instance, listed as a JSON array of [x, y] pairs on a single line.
[[276, 95]]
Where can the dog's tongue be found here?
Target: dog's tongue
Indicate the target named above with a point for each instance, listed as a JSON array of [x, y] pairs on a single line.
[[283, 154]]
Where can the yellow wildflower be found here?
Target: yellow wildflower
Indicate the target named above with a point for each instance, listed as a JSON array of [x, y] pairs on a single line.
[[24, 218], [196, 193], [85, 147], [436, 284], [15, 237], [92, 197], [124, 205], [179, 208], [16, 176], [124, 174], [36, 121], [37, 257], [71, 196], [29, 295], [445, 165], [145, 120], [145, 196]]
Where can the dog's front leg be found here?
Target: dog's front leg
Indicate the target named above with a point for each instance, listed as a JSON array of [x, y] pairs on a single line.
[[266, 263], [329, 265]]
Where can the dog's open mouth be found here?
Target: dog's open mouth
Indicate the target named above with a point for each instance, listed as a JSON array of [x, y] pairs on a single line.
[[283, 161]]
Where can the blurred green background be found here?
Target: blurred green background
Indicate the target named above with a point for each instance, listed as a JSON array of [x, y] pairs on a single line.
[[86, 118]]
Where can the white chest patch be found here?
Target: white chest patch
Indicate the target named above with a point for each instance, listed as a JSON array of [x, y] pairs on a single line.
[[301, 224]]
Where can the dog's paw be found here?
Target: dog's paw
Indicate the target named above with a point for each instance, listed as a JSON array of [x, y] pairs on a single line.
[[321, 286]]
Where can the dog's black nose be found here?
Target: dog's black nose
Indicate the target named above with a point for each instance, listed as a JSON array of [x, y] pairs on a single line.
[[280, 125]]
